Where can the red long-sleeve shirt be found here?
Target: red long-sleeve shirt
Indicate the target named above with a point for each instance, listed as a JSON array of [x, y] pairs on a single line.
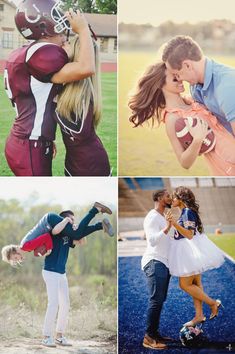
[[44, 239]]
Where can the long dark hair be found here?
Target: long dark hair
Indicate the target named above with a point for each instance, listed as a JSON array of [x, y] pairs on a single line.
[[188, 198], [148, 101]]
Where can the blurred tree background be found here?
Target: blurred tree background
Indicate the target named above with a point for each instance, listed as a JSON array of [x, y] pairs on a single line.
[[98, 256], [215, 37], [93, 6], [91, 271]]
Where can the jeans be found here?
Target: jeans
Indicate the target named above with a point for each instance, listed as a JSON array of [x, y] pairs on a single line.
[[158, 278], [83, 228], [39, 229]]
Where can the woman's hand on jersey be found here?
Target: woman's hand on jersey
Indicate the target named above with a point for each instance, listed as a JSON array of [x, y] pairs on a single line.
[[47, 253], [85, 66], [77, 20], [199, 131]]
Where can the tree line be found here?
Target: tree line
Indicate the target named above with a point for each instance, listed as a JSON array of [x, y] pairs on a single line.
[[93, 6], [97, 256], [216, 36]]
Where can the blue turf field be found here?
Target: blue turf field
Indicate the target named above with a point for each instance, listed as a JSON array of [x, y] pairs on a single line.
[[178, 308]]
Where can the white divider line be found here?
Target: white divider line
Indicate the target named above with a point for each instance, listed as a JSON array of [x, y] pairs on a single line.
[[229, 257]]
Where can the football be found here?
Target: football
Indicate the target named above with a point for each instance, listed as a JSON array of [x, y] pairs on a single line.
[[185, 138], [40, 251]]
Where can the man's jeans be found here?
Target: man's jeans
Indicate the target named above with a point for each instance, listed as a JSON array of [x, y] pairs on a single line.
[[158, 277]]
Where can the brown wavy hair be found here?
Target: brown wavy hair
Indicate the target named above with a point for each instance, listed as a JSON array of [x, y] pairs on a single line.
[[188, 198], [148, 101]]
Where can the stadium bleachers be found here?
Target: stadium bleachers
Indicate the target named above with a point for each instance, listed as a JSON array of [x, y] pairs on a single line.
[[189, 182], [150, 183], [225, 182], [128, 200], [130, 183], [135, 195], [216, 197], [205, 182]]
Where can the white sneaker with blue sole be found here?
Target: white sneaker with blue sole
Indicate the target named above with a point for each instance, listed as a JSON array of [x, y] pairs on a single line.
[[48, 342], [63, 341], [107, 227]]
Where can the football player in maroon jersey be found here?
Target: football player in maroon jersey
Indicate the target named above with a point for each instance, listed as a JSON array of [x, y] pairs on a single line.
[[33, 77]]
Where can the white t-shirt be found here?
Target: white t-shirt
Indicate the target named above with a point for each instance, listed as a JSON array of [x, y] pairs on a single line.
[[158, 242]]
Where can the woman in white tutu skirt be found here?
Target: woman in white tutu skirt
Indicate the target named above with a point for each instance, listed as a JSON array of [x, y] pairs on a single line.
[[192, 253]]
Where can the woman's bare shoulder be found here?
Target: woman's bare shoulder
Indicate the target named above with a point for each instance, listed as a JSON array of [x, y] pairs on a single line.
[[170, 118]]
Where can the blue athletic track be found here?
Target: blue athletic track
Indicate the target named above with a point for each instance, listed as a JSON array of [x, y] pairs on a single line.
[[178, 308]]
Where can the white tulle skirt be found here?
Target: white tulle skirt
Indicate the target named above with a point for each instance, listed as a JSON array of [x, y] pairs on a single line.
[[190, 257]]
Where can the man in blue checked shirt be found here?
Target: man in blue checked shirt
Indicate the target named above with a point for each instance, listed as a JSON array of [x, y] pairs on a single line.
[[212, 84]]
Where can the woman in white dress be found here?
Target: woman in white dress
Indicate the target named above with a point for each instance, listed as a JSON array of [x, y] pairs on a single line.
[[192, 253]]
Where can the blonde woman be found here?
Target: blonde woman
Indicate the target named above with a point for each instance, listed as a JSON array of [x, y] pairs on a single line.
[[78, 114]]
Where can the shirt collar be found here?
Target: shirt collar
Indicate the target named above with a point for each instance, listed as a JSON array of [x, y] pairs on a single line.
[[208, 74]]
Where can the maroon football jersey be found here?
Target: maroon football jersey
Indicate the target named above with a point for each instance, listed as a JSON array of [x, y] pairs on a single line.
[[85, 153], [27, 81]]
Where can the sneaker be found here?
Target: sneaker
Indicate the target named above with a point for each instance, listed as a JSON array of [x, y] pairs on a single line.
[[107, 227], [48, 342], [102, 208], [63, 341], [153, 343]]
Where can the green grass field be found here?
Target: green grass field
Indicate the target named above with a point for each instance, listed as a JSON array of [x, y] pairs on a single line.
[[144, 151], [226, 242], [107, 129]]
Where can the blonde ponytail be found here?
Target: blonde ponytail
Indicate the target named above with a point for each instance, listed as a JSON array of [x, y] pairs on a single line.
[[76, 96]]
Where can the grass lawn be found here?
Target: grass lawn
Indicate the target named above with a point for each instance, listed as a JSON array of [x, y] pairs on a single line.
[[226, 242], [107, 130], [144, 151]]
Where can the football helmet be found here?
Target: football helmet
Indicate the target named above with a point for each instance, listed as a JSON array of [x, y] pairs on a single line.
[[36, 19], [191, 336]]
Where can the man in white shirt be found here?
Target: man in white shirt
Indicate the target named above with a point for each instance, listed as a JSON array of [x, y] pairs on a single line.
[[155, 265]]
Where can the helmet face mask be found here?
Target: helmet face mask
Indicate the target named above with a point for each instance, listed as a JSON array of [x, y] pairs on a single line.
[[191, 336], [62, 24], [36, 19]]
